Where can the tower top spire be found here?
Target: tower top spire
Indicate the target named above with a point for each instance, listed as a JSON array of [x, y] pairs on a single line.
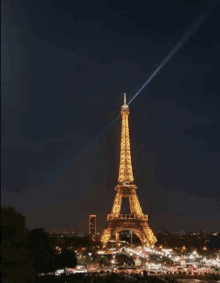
[[125, 107], [125, 99]]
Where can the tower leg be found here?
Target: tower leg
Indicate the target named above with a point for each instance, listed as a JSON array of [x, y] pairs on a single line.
[[106, 235], [117, 236]]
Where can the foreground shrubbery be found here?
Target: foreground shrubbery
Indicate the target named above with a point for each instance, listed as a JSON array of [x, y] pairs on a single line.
[[24, 253]]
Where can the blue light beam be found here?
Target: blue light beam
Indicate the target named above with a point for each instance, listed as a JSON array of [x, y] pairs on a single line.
[[104, 130], [184, 38]]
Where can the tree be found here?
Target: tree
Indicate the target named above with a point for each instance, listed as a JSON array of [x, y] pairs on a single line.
[[214, 242], [160, 239], [88, 260], [41, 251], [105, 261], [15, 263], [98, 259], [67, 258], [196, 243]]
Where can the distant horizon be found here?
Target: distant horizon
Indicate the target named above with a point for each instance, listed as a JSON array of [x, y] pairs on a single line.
[[70, 229], [99, 230], [208, 231]]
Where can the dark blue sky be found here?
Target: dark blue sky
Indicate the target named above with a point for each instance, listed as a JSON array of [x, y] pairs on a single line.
[[66, 65]]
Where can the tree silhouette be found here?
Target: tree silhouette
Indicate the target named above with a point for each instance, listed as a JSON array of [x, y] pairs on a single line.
[[88, 260], [105, 261], [41, 251], [160, 239], [15, 263], [214, 242], [66, 258]]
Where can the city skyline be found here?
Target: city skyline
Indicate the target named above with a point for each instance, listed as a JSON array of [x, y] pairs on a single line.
[[65, 72]]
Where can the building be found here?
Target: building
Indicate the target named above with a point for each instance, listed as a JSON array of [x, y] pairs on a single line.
[[92, 224]]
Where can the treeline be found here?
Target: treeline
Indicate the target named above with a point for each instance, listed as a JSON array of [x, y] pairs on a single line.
[[166, 240], [189, 241], [27, 253], [76, 242]]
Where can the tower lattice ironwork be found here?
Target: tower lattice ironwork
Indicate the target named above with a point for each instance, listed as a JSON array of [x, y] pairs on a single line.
[[136, 221]]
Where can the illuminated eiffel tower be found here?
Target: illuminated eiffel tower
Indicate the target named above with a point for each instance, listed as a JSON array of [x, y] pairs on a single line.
[[136, 222]]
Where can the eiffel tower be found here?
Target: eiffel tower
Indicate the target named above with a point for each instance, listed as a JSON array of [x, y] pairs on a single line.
[[136, 221]]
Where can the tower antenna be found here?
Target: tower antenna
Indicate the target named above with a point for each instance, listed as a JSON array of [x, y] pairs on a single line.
[[124, 98]]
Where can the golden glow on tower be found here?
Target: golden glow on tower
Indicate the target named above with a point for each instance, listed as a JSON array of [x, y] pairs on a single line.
[[125, 167], [136, 220]]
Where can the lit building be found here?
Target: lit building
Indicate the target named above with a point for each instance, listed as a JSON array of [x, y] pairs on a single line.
[[92, 224]]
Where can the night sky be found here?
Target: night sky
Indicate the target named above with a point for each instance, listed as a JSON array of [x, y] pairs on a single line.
[[65, 67]]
